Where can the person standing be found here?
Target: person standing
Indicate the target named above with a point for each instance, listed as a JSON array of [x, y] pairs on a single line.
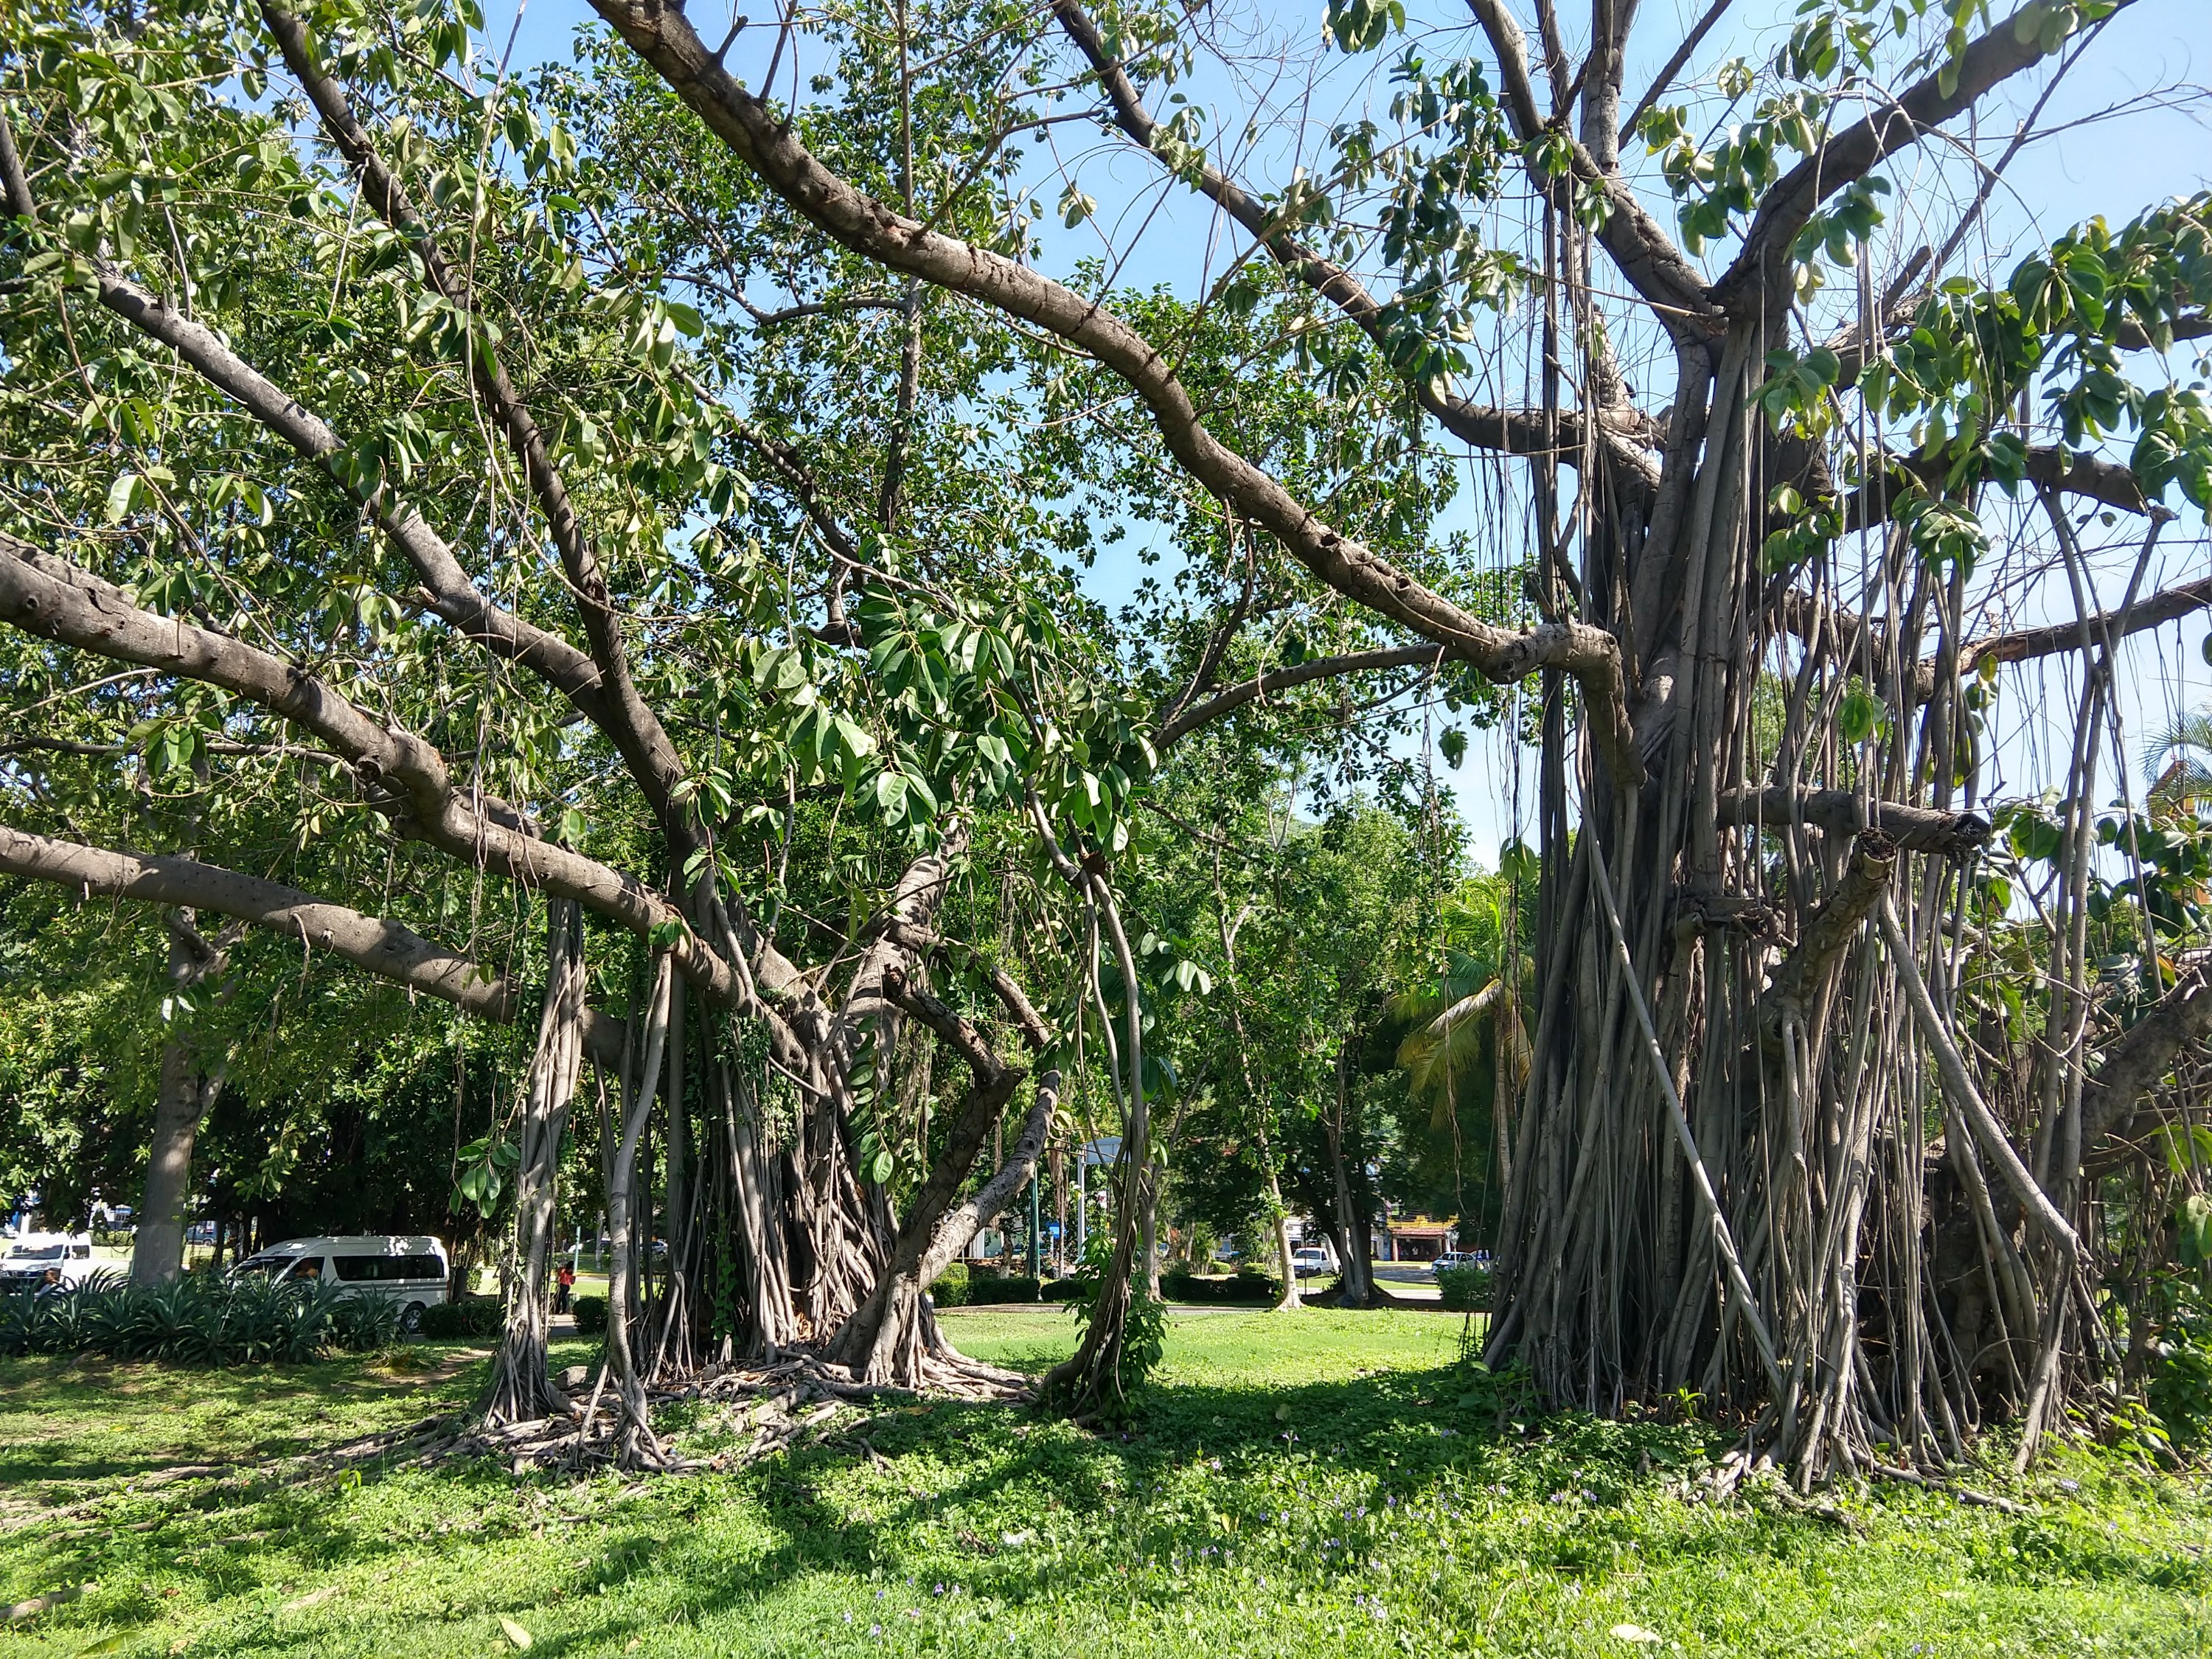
[[563, 1283]]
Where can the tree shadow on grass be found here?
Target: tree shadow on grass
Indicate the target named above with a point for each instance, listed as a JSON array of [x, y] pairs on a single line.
[[995, 1503]]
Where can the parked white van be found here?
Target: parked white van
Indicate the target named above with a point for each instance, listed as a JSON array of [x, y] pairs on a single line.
[[47, 1258], [412, 1272]]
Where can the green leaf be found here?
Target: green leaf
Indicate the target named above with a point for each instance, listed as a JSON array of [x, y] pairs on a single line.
[[1858, 716], [123, 495]]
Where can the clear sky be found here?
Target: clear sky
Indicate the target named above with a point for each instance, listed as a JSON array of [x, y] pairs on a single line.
[[2149, 64]]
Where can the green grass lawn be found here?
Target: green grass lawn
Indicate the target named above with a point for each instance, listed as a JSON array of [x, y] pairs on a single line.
[[1314, 1484]]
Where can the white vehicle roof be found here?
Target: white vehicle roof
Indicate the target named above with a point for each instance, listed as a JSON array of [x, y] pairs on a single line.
[[46, 1241], [357, 1244]]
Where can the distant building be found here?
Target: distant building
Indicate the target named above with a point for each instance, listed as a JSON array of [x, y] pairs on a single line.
[[1419, 1239]]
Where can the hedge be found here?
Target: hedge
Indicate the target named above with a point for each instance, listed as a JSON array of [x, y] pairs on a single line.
[[591, 1312], [1465, 1290], [1248, 1285]]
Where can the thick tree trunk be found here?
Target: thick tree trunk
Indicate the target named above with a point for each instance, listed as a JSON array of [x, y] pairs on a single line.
[[184, 1095], [893, 1337], [1356, 1283], [619, 1373], [157, 1253]]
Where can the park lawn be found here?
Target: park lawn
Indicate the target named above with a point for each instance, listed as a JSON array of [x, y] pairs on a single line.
[[1313, 1484]]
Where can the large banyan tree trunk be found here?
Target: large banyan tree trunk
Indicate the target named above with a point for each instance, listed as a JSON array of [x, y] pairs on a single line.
[[1726, 1176]]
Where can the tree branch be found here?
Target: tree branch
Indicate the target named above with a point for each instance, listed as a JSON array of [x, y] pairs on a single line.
[[1518, 432], [1231, 698], [402, 774], [388, 949], [633, 726], [1644, 253], [1847, 157], [448, 592], [2133, 1064], [1665, 78], [1912, 828], [661, 34]]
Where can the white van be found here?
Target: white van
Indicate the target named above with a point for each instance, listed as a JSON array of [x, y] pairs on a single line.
[[412, 1272], [47, 1259]]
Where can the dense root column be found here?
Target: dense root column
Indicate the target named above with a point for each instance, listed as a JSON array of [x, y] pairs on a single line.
[[521, 1391]]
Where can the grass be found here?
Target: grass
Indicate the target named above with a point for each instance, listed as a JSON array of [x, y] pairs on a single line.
[[1322, 1483]]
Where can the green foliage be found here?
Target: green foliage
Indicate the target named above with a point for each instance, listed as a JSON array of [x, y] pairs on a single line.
[[1465, 1290], [197, 1319], [591, 1312], [1143, 1328], [952, 1288]]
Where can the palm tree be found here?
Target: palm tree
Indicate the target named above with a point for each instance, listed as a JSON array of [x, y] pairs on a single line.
[[2180, 761], [1451, 1013]]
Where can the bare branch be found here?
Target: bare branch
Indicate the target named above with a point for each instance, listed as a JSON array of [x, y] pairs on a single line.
[[1231, 698], [1912, 828], [1665, 78]]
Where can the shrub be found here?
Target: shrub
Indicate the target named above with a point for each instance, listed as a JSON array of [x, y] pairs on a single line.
[[362, 1324], [951, 1288], [196, 1320], [471, 1316], [1246, 1286], [591, 1315], [1465, 1290]]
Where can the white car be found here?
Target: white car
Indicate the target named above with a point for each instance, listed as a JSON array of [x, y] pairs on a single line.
[[1451, 1259], [32, 1257], [1311, 1263], [411, 1271]]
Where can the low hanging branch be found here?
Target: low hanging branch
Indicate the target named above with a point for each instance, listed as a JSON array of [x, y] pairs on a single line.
[[384, 948]]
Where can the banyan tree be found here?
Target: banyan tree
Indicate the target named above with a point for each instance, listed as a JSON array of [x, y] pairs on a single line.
[[685, 443]]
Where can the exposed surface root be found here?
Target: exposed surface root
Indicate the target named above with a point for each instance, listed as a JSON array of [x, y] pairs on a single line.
[[792, 1397]]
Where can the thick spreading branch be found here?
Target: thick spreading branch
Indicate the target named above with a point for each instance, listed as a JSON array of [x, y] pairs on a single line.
[[1512, 431], [402, 774], [769, 144], [1838, 812], [1898, 123], [388, 949], [1645, 255], [1846, 639], [2113, 1124], [633, 726], [446, 591], [1798, 981]]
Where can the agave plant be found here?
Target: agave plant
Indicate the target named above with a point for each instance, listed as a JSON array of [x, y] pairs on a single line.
[[363, 1324]]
